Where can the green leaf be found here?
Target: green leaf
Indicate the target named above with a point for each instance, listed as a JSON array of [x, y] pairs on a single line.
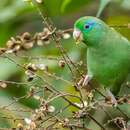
[[103, 4], [5, 71], [125, 4], [64, 4], [69, 6]]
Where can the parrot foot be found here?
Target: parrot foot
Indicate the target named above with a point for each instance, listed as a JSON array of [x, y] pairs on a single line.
[[86, 80], [112, 97]]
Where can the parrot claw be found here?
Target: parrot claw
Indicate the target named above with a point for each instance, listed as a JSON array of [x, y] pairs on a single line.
[[113, 99], [86, 80]]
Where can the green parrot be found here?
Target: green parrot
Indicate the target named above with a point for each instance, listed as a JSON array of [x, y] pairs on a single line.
[[108, 53]]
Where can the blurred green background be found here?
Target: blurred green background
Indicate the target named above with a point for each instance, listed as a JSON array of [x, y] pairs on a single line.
[[17, 17]]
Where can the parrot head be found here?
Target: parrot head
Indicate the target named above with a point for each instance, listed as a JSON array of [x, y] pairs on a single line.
[[89, 30]]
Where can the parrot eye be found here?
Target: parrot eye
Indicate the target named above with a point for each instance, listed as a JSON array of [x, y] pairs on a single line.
[[87, 26]]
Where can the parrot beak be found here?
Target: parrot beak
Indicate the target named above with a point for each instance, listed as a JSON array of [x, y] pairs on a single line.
[[77, 34]]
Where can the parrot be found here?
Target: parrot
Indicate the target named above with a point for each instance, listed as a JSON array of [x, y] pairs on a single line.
[[108, 54]]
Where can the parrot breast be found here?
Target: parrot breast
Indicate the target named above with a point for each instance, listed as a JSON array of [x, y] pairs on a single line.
[[109, 62]]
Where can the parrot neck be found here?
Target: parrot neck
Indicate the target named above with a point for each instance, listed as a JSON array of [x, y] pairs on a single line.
[[94, 41], [100, 47]]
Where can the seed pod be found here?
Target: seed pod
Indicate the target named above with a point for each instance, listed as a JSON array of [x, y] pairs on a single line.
[[90, 95], [34, 67], [125, 100], [129, 25], [46, 40], [32, 125], [20, 126], [36, 110], [51, 109], [28, 66], [40, 1], [31, 67], [37, 116], [66, 120], [10, 44], [81, 63], [32, 89], [18, 43], [13, 39], [45, 34], [36, 97], [108, 98], [43, 67], [60, 124], [62, 64], [128, 102], [2, 84], [36, 37], [40, 43], [27, 36], [43, 109], [40, 34], [10, 51], [66, 35], [18, 37], [30, 79], [2, 50], [30, 75], [28, 46], [28, 121], [121, 102], [30, 95], [17, 48], [46, 31]]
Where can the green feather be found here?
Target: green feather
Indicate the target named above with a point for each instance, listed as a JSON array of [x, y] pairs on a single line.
[[108, 54]]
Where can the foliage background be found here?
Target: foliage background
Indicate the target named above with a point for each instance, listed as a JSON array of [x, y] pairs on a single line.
[[17, 17]]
